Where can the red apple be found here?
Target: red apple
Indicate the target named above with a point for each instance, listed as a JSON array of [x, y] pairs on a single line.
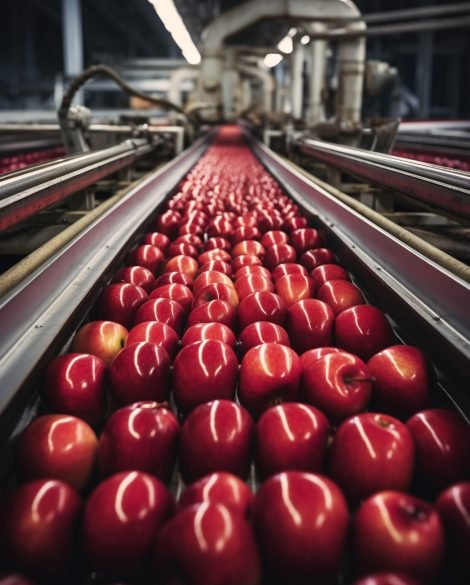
[[204, 371], [245, 232], [216, 266], [453, 506], [172, 278], [301, 522], [363, 330], [340, 295], [147, 256], [216, 290], [181, 249], [295, 287], [101, 338], [123, 516], [216, 436], [394, 531], [207, 544], [279, 254], [138, 275], [163, 310], [217, 243], [245, 260], [60, 447], [38, 521], [157, 239], [386, 579], [176, 292], [155, 332], [191, 239], [262, 306], [15, 579], [305, 239], [246, 285], [141, 436], [339, 384], [119, 302], [248, 248], [371, 452], [217, 311], [75, 384], [203, 331], [269, 374], [220, 227], [209, 277], [251, 271], [290, 436], [312, 355], [219, 487], [402, 380], [442, 440], [326, 272], [140, 371], [310, 324], [274, 237], [167, 223], [185, 264], [295, 223], [215, 254], [287, 269], [262, 332]]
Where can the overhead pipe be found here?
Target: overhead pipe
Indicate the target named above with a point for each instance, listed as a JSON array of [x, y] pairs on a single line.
[[318, 47], [177, 78], [297, 66], [267, 80], [246, 14]]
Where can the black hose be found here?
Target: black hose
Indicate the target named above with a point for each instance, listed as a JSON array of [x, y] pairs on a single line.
[[95, 70]]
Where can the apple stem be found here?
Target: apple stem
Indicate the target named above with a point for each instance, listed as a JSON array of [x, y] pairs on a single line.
[[358, 379]]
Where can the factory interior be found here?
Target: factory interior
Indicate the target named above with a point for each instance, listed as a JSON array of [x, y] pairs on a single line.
[[235, 292]]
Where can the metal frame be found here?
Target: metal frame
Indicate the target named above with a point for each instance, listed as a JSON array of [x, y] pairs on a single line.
[[38, 316], [428, 302], [24, 193], [438, 187]]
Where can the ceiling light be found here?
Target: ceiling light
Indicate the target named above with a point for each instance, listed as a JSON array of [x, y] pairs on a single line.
[[286, 45], [305, 40], [272, 59], [173, 23]]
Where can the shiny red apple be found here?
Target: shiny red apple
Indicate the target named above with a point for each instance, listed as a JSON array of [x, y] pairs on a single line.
[[185, 264], [60, 447], [157, 239], [207, 544], [142, 436], [262, 332], [203, 371], [370, 453], [295, 287], [395, 531], [214, 291], [122, 518], [310, 324], [363, 330], [305, 239], [216, 436], [261, 306], [204, 331], [290, 436], [175, 292], [339, 384], [163, 310], [286, 269], [301, 523], [75, 385], [269, 374], [279, 254], [157, 333], [140, 371], [172, 278], [119, 302], [147, 256], [138, 275], [340, 295], [326, 272], [217, 311], [104, 339]]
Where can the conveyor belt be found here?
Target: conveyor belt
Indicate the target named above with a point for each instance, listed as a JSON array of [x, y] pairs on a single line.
[[413, 289], [437, 187]]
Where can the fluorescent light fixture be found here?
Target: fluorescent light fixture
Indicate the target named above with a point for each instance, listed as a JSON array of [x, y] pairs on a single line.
[[272, 59], [305, 40], [166, 10]]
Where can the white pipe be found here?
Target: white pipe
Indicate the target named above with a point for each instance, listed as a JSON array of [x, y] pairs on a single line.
[[243, 15], [297, 66], [176, 79], [351, 55], [315, 110], [266, 79]]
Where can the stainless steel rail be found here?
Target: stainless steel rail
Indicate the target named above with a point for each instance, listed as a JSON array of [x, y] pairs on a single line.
[[38, 316], [24, 193], [426, 301], [438, 187]]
